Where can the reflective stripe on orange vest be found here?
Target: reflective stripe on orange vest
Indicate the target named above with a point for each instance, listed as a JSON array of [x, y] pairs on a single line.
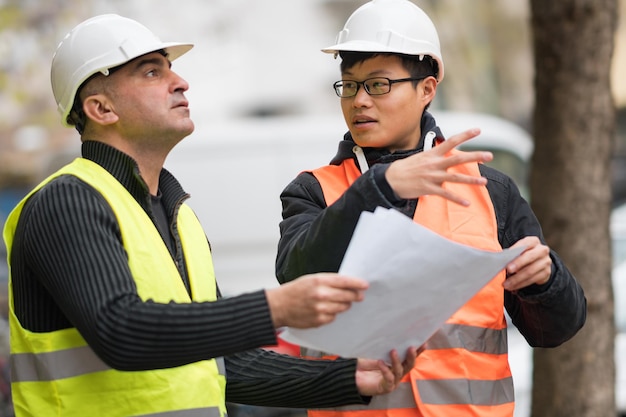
[[464, 370]]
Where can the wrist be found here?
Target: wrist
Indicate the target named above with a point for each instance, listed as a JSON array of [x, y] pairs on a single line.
[[276, 315]]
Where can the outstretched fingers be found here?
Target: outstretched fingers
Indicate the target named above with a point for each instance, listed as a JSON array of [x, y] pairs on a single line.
[[455, 140], [450, 159], [425, 173]]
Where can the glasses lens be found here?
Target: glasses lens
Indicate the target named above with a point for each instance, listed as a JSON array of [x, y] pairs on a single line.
[[377, 86], [338, 86], [346, 88]]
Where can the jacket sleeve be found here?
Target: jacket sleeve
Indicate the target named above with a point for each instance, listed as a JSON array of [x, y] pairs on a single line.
[[313, 236], [265, 378], [546, 315]]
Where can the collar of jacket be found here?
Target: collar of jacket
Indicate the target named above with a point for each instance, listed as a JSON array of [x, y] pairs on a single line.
[[382, 155], [125, 170]]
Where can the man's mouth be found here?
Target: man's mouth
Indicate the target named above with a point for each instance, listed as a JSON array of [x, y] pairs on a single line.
[[361, 120]]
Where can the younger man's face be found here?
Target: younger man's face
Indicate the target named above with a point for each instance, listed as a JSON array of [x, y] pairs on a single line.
[[391, 120]]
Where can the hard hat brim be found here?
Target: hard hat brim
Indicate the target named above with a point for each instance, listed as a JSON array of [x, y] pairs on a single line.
[[376, 47], [175, 50], [358, 46], [421, 48]]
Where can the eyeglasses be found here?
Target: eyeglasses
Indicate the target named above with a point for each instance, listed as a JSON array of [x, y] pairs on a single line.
[[373, 86]]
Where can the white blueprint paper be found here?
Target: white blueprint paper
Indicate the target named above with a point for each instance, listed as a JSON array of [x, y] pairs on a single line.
[[418, 279]]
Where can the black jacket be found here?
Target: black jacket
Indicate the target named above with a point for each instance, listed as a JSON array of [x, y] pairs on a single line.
[[69, 269], [314, 237]]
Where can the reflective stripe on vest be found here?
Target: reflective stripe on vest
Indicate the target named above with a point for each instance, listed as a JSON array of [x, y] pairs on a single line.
[[474, 339], [464, 369], [401, 397], [68, 363], [196, 412], [57, 373]]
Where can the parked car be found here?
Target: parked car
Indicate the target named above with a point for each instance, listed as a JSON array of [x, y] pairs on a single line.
[[276, 149]]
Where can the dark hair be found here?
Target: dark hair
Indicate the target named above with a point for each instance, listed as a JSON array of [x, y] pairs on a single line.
[[417, 68], [77, 116]]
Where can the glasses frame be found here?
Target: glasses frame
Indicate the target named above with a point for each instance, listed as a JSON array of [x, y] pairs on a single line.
[[338, 84]]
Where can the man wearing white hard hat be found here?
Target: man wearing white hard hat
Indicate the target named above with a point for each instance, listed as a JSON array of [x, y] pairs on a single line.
[[114, 306], [395, 156]]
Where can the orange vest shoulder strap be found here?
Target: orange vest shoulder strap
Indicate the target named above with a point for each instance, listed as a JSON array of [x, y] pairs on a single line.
[[336, 179]]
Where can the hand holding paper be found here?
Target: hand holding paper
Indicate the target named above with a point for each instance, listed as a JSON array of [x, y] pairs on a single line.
[[418, 279]]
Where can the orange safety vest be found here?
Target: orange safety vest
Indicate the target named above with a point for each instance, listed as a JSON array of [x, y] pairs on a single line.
[[464, 370]]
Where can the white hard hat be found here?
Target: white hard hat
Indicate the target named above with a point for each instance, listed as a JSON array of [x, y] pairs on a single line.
[[390, 26], [97, 45]]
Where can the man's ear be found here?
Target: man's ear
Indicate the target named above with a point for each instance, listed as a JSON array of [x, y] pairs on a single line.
[[429, 88], [99, 109]]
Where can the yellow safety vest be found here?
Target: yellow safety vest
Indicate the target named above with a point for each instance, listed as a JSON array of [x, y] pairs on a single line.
[[58, 374], [464, 370]]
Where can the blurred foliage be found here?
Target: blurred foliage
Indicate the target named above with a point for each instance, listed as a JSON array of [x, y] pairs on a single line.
[[29, 33]]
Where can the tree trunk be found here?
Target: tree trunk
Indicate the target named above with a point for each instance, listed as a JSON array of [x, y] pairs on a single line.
[[574, 129]]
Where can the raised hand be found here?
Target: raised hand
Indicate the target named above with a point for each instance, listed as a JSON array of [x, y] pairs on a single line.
[[424, 173]]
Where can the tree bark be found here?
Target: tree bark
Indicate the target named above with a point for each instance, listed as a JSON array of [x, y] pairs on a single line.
[[574, 130]]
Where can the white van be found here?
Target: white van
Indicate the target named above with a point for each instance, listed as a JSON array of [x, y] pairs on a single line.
[[236, 170]]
